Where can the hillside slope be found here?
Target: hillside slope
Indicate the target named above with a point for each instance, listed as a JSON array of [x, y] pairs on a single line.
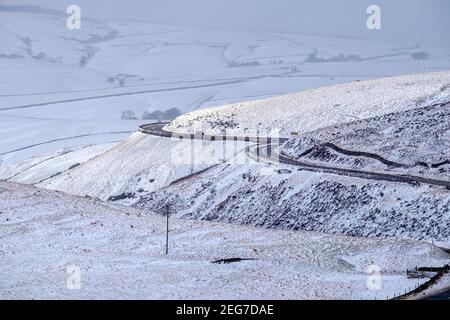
[[416, 142], [322, 107], [301, 200], [120, 253], [145, 170], [139, 159], [139, 165]]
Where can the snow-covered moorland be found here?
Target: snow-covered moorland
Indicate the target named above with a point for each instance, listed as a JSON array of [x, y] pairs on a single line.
[[141, 171], [317, 108], [416, 141], [303, 200], [69, 101], [36, 170], [139, 165], [65, 88], [136, 159], [402, 120], [120, 254]]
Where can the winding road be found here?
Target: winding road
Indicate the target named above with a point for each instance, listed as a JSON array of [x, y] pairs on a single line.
[[265, 150]]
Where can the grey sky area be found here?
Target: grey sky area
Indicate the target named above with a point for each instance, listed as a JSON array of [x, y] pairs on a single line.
[[419, 20]]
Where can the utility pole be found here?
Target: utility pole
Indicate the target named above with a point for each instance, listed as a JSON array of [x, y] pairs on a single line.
[[167, 229], [224, 145], [192, 153]]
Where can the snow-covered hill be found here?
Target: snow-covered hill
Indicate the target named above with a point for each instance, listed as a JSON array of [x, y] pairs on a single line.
[[69, 101], [303, 200], [36, 170], [416, 141], [120, 255], [139, 165], [317, 108], [65, 88], [142, 169]]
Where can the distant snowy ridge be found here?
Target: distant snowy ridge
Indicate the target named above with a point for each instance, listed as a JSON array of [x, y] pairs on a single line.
[[139, 69], [31, 9]]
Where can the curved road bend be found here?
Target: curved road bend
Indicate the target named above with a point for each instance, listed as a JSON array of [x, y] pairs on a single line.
[[266, 153]]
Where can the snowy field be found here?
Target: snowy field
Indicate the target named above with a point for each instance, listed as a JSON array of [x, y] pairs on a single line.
[[64, 89], [45, 232]]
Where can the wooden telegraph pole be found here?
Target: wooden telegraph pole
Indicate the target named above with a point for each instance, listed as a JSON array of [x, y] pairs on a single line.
[[167, 229]]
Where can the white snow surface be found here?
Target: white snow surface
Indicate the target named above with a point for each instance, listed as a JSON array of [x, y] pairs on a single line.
[[282, 197], [146, 163], [417, 139], [38, 169], [63, 88], [317, 108], [120, 253], [141, 164]]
